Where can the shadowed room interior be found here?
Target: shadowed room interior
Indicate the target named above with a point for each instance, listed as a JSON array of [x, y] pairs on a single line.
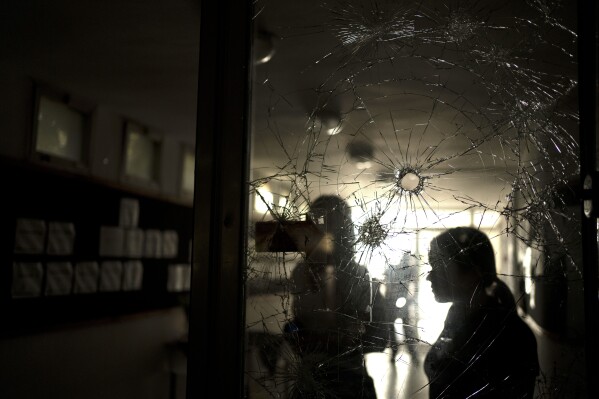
[[420, 115]]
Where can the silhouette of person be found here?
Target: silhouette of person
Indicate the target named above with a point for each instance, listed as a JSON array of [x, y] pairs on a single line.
[[393, 298], [403, 285], [331, 295], [381, 332], [485, 349]]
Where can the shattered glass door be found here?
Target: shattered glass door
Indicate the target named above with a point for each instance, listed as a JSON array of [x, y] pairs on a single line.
[[413, 223]]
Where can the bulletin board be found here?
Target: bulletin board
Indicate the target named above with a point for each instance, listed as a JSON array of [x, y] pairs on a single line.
[[74, 249]]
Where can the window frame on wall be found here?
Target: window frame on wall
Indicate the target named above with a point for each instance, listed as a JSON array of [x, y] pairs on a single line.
[[153, 179], [75, 104]]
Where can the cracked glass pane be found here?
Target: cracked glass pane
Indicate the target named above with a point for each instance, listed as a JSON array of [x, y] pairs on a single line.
[[414, 221]]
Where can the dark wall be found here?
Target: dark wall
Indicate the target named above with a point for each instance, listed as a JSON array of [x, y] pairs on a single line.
[[126, 358]]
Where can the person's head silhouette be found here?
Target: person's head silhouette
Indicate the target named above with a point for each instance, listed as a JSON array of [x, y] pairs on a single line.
[[332, 215], [463, 263]]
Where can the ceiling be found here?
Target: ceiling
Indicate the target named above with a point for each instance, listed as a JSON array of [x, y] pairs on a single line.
[[459, 91], [409, 104]]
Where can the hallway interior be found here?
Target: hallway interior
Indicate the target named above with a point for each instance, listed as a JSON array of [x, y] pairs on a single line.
[[401, 379]]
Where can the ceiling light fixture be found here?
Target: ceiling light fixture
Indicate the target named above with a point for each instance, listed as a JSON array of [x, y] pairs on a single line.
[[361, 152], [264, 48], [330, 122]]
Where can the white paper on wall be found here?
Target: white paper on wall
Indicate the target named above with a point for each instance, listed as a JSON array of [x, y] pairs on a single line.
[[59, 278], [86, 277], [153, 243], [134, 243], [132, 275], [129, 212], [179, 277], [112, 241], [61, 238], [187, 277], [174, 281], [111, 275], [27, 279], [30, 236], [170, 244]]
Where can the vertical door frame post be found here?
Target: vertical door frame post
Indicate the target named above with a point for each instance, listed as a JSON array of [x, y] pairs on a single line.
[[589, 180], [216, 313]]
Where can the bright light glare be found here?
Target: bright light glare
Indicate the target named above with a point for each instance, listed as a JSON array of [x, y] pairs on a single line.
[[410, 181], [376, 265], [437, 219], [333, 130], [401, 302], [263, 200], [486, 219]]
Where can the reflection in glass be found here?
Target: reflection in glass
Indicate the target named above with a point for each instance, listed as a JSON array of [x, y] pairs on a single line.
[[448, 114]]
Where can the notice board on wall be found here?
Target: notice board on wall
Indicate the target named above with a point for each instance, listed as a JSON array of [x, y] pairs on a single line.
[[74, 249]]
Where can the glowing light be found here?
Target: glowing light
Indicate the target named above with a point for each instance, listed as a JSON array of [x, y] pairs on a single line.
[[282, 202], [333, 130], [330, 122], [527, 266], [410, 181], [63, 138], [263, 201], [401, 302]]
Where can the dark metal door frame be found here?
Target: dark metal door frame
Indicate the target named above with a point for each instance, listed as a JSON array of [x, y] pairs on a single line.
[[587, 86], [216, 331]]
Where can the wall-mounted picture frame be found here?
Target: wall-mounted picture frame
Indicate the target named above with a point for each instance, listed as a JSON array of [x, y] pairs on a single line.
[[61, 129], [142, 155]]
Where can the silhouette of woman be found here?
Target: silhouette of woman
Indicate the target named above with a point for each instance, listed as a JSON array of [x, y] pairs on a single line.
[[485, 349]]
